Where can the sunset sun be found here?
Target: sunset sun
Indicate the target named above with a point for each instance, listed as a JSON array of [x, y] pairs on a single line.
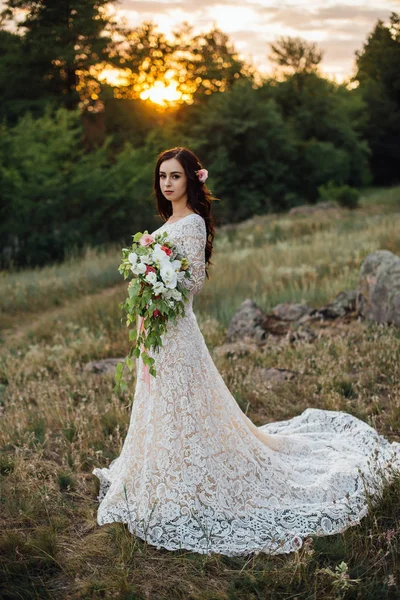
[[162, 94]]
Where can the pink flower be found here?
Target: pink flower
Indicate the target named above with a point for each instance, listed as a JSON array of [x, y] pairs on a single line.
[[150, 269], [202, 175], [146, 239], [167, 250]]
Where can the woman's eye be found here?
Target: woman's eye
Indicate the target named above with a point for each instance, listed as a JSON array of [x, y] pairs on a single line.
[[176, 176]]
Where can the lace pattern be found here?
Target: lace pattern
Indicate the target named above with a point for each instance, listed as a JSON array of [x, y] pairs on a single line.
[[195, 473]]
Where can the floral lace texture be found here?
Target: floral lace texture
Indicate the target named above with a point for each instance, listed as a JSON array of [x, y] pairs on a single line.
[[195, 473]]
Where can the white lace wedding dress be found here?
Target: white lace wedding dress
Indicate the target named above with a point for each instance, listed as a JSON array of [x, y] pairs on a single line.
[[195, 473]]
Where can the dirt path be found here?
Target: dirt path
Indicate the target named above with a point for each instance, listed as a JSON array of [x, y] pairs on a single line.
[[28, 322]]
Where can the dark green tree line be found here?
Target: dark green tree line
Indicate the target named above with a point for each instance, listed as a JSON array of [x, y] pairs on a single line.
[[268, 146], [378, 74]]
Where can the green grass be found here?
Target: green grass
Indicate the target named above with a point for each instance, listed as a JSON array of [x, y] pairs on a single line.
[[58, 421], [35, 290]]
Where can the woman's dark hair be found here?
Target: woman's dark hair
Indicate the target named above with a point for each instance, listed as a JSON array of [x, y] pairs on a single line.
[[199, 197]]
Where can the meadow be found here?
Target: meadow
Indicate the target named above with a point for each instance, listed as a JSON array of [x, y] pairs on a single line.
[[58, 421]]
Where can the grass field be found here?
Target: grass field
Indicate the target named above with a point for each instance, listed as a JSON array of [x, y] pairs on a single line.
[[58, 421]]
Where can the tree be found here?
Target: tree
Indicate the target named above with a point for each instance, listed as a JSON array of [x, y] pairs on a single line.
[[378, 75], [296, 55], [62, 42], [210, 63], [326, 120], [199, 64], [21, 89], [55, 196], [249, 151], [145, 54]]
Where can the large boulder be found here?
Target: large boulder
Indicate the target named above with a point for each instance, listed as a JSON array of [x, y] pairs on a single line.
[[378, 291], [248, 322]]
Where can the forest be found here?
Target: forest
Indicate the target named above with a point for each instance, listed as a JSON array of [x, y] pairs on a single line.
[[77, 151]]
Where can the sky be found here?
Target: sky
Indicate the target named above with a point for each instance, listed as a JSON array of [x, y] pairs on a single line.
[[338, 27]]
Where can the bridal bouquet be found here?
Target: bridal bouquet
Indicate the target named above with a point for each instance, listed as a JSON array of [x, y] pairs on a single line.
[[156, 294]]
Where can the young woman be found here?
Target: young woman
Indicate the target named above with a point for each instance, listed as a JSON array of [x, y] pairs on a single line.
[[195, 473]]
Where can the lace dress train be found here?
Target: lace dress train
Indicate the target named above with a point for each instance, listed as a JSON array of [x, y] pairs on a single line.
[[195, 473]]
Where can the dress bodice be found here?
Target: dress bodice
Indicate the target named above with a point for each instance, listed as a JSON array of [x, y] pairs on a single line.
[[190, 236]]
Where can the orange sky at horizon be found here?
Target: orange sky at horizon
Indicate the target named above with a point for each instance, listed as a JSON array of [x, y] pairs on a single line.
[[338, 27]]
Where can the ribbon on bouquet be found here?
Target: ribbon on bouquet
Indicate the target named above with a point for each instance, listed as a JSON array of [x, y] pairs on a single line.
[[146, 368]]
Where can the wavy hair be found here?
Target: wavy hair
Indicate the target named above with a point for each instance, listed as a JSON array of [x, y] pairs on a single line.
[[199, 196]]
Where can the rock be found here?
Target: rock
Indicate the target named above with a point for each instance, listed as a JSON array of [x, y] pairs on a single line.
[[271, 376], [106, 365], [252, 323], [301, 334], [290, 311], [247, 322], [343, 304], [307, 209], [274, 325], [235, 350], [378, 291]]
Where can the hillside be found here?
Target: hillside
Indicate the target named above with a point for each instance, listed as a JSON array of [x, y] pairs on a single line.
[[58, 420]]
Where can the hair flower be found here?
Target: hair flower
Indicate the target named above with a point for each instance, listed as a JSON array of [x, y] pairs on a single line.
[[202, 175]]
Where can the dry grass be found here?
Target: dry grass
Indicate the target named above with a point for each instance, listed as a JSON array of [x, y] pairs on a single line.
[[34, 290], [58, 422]]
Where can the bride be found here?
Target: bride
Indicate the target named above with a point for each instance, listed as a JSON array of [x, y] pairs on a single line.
[[195, 472]]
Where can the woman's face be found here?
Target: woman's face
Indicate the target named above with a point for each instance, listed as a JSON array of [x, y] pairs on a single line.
[[173, 180]]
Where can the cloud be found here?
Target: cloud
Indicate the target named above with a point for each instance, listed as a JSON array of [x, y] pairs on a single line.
[[338, 18], [339, 28], [158, 6]]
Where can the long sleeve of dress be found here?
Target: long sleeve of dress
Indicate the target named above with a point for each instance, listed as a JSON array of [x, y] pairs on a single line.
[[193, 244]]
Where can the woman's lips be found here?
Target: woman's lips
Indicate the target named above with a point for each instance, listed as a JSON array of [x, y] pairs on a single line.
[[168, 192]]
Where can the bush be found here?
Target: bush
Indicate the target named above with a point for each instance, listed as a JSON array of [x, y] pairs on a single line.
[[344, 195], [57, 197]]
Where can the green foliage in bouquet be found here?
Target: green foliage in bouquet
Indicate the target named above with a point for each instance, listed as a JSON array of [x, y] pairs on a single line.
[[157, 308]]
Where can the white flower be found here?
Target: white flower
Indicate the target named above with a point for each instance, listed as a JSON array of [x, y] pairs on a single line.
[[151, 277], [139, 269], [176, 264], [159, 287], [168, 275], [176, 294], [159, 254], [133, 258], [145, 259], [172, 295]]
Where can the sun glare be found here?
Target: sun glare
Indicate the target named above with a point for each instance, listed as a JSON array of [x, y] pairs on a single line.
[[165, 93], [115, 76], [162, 94]]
